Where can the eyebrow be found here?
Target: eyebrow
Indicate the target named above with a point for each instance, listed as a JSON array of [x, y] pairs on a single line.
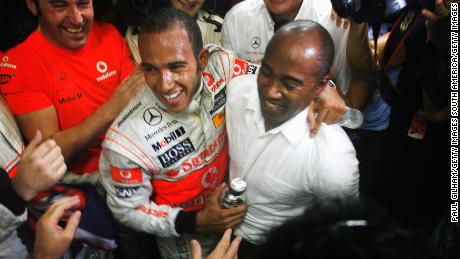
[[177, 63], [174, 63], [146, 64], [57, 1], [284, 77]]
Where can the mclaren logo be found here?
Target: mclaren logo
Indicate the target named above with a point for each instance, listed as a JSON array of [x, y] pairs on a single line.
[[255, 42], [152, 116]]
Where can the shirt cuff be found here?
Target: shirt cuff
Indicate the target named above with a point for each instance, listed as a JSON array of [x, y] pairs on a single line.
[[8, 196], [186, 222]]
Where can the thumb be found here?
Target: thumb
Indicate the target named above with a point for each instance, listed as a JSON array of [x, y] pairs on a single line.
[[196, 249], [72, 223], [430, 15], [34, 143]]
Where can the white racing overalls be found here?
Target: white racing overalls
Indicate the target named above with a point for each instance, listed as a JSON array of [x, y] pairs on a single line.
[[155, 163]]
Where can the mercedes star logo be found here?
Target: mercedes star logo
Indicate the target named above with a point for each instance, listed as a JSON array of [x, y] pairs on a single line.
[[152, 116], [255, 42]]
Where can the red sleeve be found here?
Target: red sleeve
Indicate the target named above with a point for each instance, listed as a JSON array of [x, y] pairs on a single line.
[[24, 90]]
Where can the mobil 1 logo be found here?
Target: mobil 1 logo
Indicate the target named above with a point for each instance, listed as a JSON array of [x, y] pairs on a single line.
[[168, 138], [176, 153]]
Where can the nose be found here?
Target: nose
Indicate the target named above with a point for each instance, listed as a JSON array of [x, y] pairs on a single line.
[[75, 15], [166, 81]]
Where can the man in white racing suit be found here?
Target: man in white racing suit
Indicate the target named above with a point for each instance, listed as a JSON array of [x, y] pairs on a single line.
[[165, 156], [166, 152]]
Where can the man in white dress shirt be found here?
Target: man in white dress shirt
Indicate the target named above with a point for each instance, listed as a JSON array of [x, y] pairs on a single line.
[[285, 170]]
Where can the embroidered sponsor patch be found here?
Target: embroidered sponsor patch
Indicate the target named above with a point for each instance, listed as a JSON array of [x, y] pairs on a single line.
[[211, 82], [124, 192], [176, 153], [165, 140], [243, 67], [153, 212], [219, 100], [219, 119], [132, 176]]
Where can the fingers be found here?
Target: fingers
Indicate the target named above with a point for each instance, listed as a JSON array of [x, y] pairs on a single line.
[[233, 220], [33, 144], [430, 15], [61, 171], [43, 149], [56, 211], [311, 120], [225, 240], [225, 249], [346, 24], [232, 252], [322, 114], [338, 20], [57, 168], [196, 249], [53, 154], [72, 224]]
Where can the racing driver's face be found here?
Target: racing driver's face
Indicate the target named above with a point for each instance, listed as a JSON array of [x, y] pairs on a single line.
[[170, 67], [65, 23]]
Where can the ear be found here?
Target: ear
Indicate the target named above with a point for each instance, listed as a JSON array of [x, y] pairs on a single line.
[[203, 59], [321, 85], [32, 7]]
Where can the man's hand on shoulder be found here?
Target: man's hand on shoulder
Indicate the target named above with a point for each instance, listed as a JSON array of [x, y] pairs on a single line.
[[214, 218], [129, 88], [329, 107]]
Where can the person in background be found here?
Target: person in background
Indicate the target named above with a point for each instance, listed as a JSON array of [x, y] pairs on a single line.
[[249, 26], [210, 24], [40, 166], [73, 88], [337, 229]]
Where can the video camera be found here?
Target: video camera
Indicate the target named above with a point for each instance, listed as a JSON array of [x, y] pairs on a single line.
[[372, 11]]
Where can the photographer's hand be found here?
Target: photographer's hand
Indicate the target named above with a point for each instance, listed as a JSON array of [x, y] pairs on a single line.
[[440, 11], [339, 21]]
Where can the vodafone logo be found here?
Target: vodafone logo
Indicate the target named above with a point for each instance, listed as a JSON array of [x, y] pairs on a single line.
[[101, 66], [126, 174], [131, 176], [237, 70], [4, 63], [209, 179]]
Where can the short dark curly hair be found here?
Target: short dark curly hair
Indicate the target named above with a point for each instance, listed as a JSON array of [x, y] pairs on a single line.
[[163, 19]]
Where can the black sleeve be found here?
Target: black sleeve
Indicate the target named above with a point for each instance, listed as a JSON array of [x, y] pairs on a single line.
[[8, 196], [186, 222]]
